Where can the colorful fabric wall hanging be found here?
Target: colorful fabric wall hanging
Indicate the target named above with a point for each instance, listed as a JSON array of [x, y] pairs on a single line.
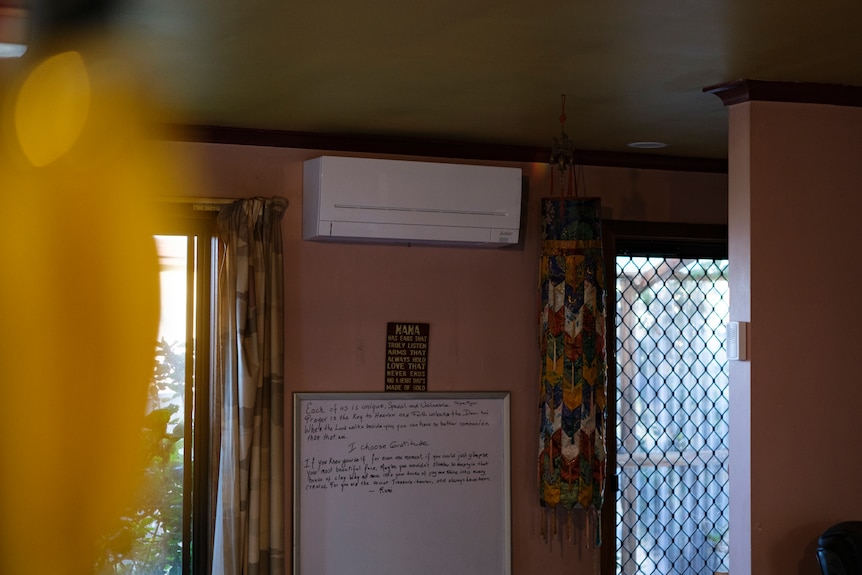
[[573, 358]]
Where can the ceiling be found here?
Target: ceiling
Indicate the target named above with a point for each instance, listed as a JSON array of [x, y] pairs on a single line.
[[485, 71]]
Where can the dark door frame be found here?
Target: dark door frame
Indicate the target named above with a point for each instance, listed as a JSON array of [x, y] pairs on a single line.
[[636, 238]]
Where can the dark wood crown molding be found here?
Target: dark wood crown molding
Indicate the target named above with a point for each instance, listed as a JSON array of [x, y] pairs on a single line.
[[800, 92], [394, 145]]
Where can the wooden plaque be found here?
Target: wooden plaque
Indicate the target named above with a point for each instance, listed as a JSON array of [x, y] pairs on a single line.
[[406, 356]]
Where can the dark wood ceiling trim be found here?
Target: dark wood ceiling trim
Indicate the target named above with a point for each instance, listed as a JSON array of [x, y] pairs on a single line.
[[800, 92], [433, 148]]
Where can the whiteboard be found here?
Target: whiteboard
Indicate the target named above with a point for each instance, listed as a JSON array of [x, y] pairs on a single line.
[[401, 484]]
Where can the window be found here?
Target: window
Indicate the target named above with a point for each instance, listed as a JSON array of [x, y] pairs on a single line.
[[166, 531], [669, 460]]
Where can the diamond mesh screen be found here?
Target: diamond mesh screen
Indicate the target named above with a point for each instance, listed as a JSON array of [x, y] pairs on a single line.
[[672, 420]]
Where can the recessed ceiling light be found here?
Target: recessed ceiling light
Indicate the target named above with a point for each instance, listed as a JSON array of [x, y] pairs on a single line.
[[647, 145], [12, 50]]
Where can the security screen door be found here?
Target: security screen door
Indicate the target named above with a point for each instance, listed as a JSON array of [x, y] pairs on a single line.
[[671, 470]]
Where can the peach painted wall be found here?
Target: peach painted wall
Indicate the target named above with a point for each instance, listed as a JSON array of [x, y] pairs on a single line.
[[795, 201], [481, 304]]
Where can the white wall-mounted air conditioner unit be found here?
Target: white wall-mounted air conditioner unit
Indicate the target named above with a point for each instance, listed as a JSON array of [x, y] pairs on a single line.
[[372, 200]]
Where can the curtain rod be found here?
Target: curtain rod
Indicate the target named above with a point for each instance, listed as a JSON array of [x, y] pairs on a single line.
[[200, 204]]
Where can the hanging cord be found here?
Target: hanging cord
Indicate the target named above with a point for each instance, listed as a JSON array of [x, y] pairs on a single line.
[[568, 169], [563, 157]]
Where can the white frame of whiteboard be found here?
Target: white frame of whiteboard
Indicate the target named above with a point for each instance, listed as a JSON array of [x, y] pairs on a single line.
[[504, 438]]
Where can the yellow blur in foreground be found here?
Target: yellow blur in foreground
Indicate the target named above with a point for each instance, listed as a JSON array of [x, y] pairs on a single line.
[[79, 309], [51, 108]]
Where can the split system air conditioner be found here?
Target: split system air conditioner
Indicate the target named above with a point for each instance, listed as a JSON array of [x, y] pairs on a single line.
[[372, 200]]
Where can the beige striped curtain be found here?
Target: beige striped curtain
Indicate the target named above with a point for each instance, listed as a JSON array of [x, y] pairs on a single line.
[[248, 398]]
